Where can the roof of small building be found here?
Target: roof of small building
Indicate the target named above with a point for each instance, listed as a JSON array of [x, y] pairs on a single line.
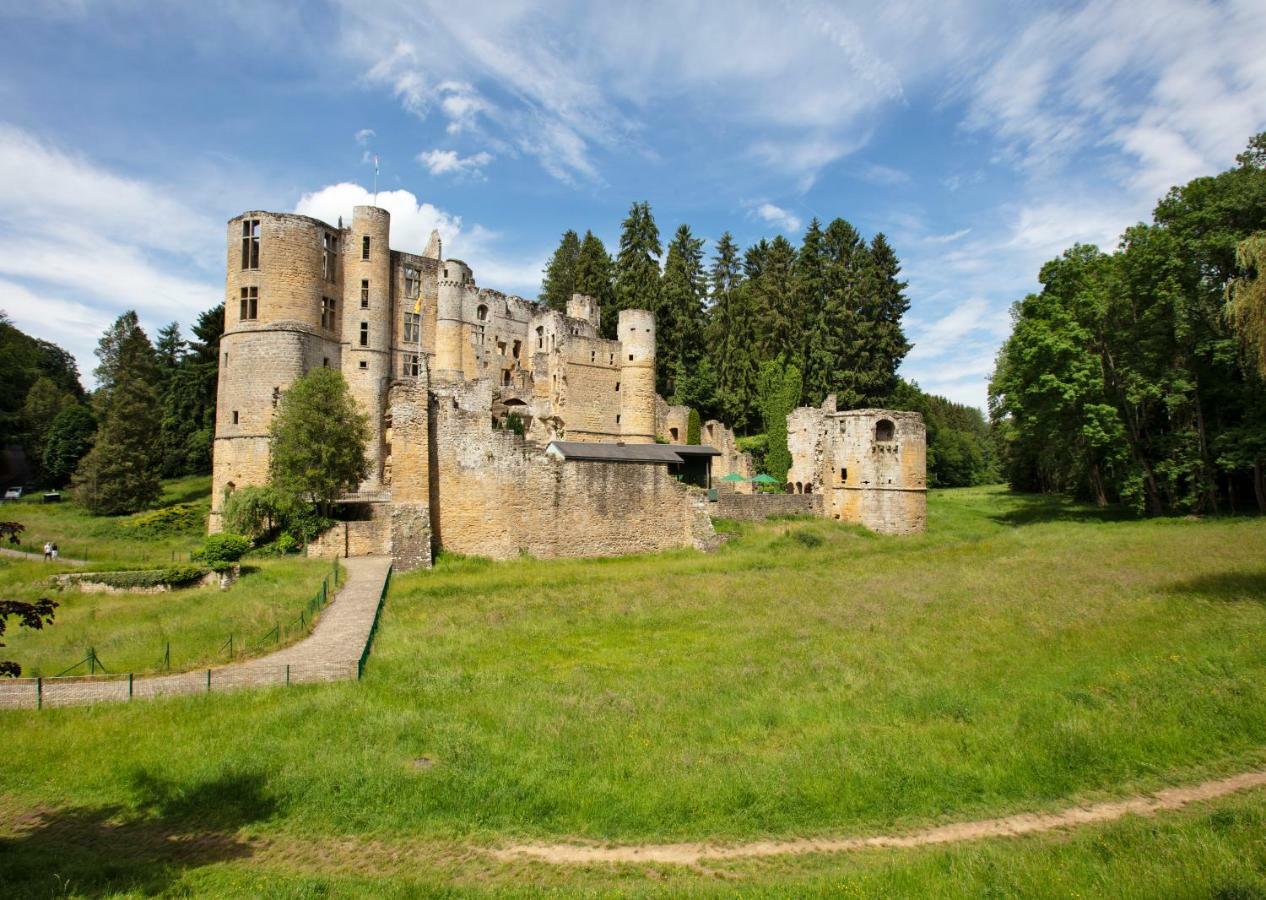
[[632, 453]]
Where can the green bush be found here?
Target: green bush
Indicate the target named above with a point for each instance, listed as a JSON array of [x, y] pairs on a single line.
[[140, 578], [182, 518], [222, 550], [756, 445], [693, 428]]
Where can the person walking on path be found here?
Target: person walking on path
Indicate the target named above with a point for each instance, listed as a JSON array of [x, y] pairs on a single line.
[[54, 548], [48, 550]]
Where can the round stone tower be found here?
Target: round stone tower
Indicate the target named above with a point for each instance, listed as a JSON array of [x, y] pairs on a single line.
[[367, 317], [450, 360], [636, 333], [281, 280]]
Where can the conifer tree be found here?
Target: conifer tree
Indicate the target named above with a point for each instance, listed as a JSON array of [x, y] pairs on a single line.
[[69, 438], [559, 281], [843, 341], [636, 265], [169, 349], [775, 298], [679, 318], [818, 351], [121, 473], [886, 304], [595, 271], [730, 335]]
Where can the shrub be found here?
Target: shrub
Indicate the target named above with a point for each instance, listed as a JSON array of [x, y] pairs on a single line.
[[180, 518], [756, 445], [256, 511], [222, 550], [139, 578], [693, 428], [808, 538]]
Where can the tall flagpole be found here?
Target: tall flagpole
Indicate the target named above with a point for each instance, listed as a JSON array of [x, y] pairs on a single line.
[[375, 179]]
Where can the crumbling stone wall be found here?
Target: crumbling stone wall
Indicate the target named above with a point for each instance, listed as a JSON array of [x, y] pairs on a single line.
[[754, 507], [500, 496], [672, 423], [870, 464]]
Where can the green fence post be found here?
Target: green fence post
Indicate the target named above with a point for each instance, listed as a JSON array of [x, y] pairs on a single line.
[[208, 681], [287, 674], [39, 693], [129, 685]]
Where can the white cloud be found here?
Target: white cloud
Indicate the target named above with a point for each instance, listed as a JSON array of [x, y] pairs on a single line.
[[411, 226], [565, 80], [73, 229], [449, 162], [364, 136], [777, 216]]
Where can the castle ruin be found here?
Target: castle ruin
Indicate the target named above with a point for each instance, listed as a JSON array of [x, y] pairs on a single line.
[[499, 427]]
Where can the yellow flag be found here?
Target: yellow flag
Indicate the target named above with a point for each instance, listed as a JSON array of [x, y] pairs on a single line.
[[417, 305]]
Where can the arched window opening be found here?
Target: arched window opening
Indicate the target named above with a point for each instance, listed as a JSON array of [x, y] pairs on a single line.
[[885, 430], [808, 488], [482, 313]]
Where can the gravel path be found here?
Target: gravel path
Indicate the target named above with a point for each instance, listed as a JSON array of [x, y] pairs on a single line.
[[330, 653]]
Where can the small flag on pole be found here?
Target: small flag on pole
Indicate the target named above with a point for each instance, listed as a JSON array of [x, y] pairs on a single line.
[[417, 306], [375, 179]]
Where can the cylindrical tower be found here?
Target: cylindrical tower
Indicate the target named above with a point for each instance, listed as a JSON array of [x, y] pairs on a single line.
[[449, 347], [281, 279], [636, 333], [367, 316]]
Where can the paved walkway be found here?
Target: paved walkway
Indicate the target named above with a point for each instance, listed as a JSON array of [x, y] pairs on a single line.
[[22, 554], [330, 653]]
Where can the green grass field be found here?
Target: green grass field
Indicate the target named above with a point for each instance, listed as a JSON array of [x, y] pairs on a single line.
[[806, 679], [136, 632]]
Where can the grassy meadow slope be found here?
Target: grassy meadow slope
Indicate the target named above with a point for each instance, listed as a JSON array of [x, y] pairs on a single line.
[[808, 678]]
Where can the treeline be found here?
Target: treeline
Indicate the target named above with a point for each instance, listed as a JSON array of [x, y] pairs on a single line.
[[1130, 377], [151, 416], [826, 314]]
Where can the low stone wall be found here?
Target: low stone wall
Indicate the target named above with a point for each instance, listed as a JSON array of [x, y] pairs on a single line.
[[94, 583], [754, 507], [371, 537]]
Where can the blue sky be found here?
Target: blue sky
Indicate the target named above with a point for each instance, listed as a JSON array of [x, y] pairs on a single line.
[[982, 138]]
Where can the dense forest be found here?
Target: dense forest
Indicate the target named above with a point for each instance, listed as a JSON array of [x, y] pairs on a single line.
[[748, 335], [1136, 375], [151, 416]]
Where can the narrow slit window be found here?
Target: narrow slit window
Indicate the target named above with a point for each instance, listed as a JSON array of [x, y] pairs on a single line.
[[235, 417], [364, 247], [364, 334], [364, 293], [328, 309], [250, 243]]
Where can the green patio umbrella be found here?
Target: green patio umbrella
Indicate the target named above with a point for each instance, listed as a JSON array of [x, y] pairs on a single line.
[[764, 479], [733, 476]]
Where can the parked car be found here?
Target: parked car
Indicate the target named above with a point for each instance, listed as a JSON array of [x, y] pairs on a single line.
[[13, 493]]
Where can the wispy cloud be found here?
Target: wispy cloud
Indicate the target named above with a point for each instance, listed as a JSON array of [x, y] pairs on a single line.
[[778, 217], [449, 162]]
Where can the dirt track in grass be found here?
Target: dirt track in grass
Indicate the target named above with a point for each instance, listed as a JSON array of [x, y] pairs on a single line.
[[692, 854]]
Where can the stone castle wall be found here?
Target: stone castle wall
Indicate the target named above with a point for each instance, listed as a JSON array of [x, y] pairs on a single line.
[[753, 507], [499, 496]]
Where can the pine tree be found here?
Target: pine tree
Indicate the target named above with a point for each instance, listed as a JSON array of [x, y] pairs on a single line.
[[559, 281], [121, 473], [775, 297], [886, 305], [169, 349], [846, 262], [679, 318], [730, 335], [818, 352], [595, 271], [636, 265], [43, 403]]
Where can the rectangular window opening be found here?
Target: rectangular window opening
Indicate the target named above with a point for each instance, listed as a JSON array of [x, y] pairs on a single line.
[[328, 309], [364, 364], [235, 417], [364, 334], [250, 303], [843, 474], [250, 243], [364, 293], [364, 247], [412, 327], [329, 250], [412, 283]]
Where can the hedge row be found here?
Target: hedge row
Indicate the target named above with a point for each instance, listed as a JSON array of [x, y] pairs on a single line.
[[142, 578]]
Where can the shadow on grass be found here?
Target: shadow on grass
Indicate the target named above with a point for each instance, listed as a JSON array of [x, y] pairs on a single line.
[[106, 850], [1232, 587], [1036, 509]]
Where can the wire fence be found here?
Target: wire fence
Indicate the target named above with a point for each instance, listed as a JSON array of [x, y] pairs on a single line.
[[101, 685], [38, 693]]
